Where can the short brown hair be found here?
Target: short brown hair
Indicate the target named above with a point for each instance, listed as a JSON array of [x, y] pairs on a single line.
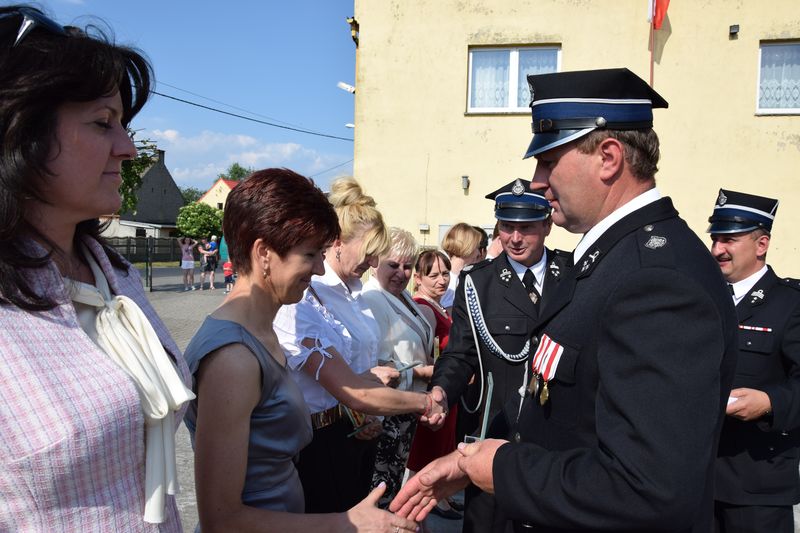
[[641, 149], [279, 206], [427, 259]]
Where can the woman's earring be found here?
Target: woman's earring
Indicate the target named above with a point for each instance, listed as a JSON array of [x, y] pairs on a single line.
[[339, 254], [265, 272]]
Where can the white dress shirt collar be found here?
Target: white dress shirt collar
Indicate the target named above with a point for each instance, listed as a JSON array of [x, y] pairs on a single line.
[[332, 279], [591, 236], [742, 287], [538, 270]]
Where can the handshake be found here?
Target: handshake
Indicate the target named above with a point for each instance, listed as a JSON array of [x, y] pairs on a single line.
[[435, 409]]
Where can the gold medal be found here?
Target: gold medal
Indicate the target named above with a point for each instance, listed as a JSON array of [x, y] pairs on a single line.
[[533, 386], [544, 395]]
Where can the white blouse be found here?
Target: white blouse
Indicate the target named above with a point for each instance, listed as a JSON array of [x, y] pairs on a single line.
[[406, 336], [336, 317]]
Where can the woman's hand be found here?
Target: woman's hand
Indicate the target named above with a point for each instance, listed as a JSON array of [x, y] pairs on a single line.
[[373, 428], [367, 518], [423, 372], [388, 375]]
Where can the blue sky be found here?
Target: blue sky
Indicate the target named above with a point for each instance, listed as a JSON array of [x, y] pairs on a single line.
[[278, 61]]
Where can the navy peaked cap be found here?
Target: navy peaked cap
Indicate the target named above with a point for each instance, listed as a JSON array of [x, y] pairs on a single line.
[[568, 105], [515, 202], [738, 212]]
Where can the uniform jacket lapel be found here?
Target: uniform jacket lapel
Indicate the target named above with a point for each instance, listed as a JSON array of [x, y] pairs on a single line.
[[513, 290], [757, 296]]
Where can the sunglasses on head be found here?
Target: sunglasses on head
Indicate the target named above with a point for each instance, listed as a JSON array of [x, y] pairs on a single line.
[[31, 19]]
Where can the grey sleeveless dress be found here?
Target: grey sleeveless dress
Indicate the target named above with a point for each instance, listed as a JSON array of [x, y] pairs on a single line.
[[280, 425]]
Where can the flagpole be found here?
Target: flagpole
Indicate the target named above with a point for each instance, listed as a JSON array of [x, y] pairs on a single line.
[[652, 49]]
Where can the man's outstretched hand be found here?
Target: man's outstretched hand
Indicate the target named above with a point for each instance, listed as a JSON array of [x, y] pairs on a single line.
[[438, 480]]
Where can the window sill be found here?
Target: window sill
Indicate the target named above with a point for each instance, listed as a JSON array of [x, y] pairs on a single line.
[[500, 112], [778, 113]]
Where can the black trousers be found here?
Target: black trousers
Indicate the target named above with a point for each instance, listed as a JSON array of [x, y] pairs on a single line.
[[336, 470], [729, 518]]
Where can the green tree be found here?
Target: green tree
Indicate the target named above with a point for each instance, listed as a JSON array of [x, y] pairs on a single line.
[[236, 172], [132, 171], [191, 194], [199, 220]]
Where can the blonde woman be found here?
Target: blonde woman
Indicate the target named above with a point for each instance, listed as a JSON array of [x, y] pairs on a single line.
[[462, 244], [332, 341], [406, 342]]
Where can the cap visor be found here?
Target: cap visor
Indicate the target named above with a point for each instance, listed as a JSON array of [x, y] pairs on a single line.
[[547, 141], [725, 226]]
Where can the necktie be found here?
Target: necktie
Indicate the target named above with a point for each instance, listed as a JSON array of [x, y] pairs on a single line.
[[730, 288], [529, 281]]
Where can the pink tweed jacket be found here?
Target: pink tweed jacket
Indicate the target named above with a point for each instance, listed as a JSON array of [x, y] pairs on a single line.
[[71, 429]]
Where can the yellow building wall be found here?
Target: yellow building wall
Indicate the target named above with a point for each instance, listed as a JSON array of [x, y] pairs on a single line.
[[414, 140], [217, 194]]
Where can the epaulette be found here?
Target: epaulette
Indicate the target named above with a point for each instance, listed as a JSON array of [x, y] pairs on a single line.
[[654, 247], [562, 257], [476, 266], [790, 282]]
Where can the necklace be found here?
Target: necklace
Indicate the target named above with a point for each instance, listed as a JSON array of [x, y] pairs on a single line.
[[436, 305]]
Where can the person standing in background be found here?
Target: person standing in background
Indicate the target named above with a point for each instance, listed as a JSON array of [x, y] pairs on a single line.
[[187, 245], [757, 478]]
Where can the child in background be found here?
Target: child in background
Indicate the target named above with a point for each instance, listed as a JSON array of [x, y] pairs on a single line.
[[227, 270]]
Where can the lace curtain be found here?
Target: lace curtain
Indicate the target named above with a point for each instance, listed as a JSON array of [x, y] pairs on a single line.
[[489, 78], [540, 61], [780, 77]]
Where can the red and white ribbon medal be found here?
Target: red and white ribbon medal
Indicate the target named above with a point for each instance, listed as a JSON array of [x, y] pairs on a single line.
[[544, 365]]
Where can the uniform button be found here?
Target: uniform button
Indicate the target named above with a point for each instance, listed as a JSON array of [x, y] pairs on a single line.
[[517, 437], [749, 343], [535, 340], [508, 328], [772, 448], [648, 227]]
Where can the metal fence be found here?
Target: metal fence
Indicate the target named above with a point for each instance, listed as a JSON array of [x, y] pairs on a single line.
[[147, 250]]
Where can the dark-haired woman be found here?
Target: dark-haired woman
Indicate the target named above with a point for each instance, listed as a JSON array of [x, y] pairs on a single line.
[[249, 421], [91, 382]]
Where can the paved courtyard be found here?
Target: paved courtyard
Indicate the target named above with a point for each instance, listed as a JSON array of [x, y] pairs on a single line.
[[183, 313]]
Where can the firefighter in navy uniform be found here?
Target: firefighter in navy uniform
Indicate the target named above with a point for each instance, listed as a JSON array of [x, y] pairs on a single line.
[[635, 350], [497, 304], [757, 465]]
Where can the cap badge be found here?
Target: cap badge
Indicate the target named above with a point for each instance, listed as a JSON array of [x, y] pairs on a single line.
[[518, 188], [722, 198], [655, 242], [505, 275]]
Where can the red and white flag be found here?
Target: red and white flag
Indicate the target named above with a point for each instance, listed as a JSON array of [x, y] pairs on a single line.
[[546, 359], [656, 11]]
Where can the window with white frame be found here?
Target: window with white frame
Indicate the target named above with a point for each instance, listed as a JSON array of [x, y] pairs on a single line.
[[498, 76], [779, 78]]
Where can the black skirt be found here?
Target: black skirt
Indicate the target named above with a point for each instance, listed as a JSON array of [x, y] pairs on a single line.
[[336, 470]]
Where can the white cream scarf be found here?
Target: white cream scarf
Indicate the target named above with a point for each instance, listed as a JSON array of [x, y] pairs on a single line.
[[127, 337]]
